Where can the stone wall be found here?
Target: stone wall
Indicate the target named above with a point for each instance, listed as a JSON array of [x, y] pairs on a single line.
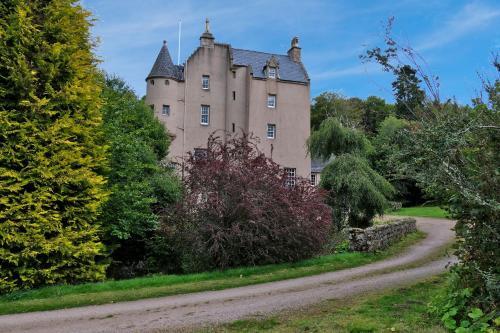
[[380, 236]]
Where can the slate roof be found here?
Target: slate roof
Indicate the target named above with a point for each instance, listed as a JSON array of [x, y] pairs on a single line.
[[318, 165], [164, 67], [288, 69]]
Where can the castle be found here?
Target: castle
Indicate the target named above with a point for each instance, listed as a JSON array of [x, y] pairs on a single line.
[[221, 88]]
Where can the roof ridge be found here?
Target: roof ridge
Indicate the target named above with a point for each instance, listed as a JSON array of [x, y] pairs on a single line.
[[278, 54]]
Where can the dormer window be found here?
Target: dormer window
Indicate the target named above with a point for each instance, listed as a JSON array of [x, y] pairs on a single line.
[[271, 67], [271, 72]]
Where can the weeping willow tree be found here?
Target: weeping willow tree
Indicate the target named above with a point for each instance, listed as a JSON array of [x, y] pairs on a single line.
[[356, 192], [51, 149]]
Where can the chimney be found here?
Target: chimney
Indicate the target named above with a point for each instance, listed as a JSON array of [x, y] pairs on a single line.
[[294, 52], [206, 38]]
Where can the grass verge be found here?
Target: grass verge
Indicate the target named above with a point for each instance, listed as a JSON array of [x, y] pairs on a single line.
[[66, 296], [399, 310], [420, 211]]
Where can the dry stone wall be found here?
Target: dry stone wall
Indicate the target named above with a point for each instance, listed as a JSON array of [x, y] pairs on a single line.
[[380, 236]]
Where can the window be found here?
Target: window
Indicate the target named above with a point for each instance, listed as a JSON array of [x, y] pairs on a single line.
[[271, 72], [290, 176], [271, 101], [271, 131], [234, 74], [167, 82], [205, 114], [152, 106], [234, 128], [205, 82], [234, 95], [313, 179], [152, 82], [165, 110], [200, 153]]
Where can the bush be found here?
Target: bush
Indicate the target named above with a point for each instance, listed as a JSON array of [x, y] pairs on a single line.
[[238, 210], [458, 310]]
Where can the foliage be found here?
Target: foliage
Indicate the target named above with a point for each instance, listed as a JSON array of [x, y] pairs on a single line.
[[349, 111], [453, 153], [51, 149], [356, 192], [392, 138], [375, 110], [238, 210], [139, 185], [334, 139], [457, 312], [409, 96], [458, 162]]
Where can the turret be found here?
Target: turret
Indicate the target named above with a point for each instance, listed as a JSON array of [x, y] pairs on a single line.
[[164, 67]]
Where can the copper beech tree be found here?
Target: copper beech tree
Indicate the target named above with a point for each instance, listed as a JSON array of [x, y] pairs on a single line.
[[239, 208]]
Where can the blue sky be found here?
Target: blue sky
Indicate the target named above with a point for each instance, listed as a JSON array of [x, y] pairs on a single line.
[[456, 38]]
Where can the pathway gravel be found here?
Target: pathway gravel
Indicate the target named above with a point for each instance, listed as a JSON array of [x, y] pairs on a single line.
[[189, 311]]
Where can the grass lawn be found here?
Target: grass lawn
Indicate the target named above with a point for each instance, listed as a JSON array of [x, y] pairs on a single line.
[[65, 296], [420, 211], [399, 310]]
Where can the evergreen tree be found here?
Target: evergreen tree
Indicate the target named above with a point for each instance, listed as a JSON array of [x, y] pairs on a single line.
[[409, 97], [51, 149]]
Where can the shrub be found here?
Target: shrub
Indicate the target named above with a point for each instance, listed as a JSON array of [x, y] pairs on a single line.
[[52, 153], [238, 210]]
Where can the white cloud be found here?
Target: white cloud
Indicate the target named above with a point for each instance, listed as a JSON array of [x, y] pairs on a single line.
[[471, 18], [361, 69]]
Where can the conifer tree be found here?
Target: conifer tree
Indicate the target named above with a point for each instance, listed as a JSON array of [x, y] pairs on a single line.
[[51, 148]]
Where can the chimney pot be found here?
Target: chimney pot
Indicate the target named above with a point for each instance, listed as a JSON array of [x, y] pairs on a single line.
[[294, 51]]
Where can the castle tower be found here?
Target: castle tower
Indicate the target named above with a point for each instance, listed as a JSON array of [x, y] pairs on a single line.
[[165, 95]]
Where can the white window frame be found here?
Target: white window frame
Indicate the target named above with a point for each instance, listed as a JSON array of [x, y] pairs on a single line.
[[205, 113], [167, 108], [271, 131], [271, 101], [271, 72], [205, 82], [314, 178], [291, 176]]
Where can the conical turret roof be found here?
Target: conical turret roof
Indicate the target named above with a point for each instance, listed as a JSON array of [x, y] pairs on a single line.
[[164, 67]]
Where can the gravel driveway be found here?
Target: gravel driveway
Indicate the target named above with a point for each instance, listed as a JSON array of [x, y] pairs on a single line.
[[184, 312]]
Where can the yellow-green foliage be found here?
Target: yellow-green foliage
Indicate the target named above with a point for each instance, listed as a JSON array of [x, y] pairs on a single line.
[[51, 148]]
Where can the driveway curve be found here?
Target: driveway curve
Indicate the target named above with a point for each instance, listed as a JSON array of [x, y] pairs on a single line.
[[184, 312]]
